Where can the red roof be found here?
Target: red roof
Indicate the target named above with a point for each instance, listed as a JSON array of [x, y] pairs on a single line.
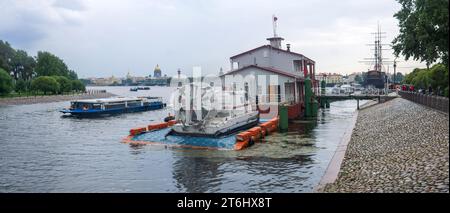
[[268, 46], [269, 69]]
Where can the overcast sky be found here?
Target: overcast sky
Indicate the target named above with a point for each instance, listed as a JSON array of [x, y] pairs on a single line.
[[111, 37]]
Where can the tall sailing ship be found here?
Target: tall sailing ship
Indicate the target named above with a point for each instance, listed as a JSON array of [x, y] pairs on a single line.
[[376, 77]]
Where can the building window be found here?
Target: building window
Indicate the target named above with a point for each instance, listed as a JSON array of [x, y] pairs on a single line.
[[266, 53], [235, 65]]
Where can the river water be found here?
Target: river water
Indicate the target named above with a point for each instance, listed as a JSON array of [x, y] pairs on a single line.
[[41, 151]]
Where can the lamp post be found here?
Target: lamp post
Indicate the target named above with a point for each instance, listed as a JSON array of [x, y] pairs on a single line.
[[395, 67]]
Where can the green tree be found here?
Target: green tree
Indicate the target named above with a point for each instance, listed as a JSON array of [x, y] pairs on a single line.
[[422, 79], [6, 83], [21, 86], [22, 65], [436, 77], [16, 62], [6, 55], [78, 86], [65, 85], [49, 65], [423, 31], [399, 77], [439, 77], [45, 84], [72, 75]]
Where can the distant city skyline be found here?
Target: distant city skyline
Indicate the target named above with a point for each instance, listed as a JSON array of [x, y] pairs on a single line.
[[105, 38]]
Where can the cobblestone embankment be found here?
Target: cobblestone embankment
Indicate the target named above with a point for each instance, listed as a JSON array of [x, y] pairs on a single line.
[[397, 146]]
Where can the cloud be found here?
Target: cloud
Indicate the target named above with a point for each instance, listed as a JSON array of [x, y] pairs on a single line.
[[26, 22], [75, 5], [112, 37]]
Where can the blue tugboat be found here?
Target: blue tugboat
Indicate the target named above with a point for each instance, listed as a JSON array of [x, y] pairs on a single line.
[[111, 106]]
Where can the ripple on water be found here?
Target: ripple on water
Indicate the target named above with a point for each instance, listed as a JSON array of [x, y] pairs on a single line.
[[41, 151]]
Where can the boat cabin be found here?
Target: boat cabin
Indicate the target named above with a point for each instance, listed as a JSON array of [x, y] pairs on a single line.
[[105, 104], [274, 76]]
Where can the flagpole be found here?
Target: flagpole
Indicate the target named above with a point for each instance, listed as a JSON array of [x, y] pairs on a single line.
[[274, 22]]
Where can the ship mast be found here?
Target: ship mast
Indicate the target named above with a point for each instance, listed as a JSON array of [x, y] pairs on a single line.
[[378, 61]]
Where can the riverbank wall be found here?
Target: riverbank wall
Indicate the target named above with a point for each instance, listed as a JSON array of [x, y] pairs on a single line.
[[54, 98], [396, 146]]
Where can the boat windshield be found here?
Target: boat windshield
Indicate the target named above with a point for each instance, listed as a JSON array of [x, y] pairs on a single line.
[[85, 106]]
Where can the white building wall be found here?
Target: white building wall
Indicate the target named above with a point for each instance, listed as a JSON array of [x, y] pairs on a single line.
[[260, 56], [256, 77]]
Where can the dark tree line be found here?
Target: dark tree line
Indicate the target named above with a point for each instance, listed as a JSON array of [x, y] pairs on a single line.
[[20, 72]]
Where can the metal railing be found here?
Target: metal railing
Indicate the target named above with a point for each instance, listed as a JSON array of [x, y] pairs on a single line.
[[436, 102]]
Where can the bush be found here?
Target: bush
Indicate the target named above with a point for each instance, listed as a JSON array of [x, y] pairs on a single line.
[[6, 83], [21, 86], [65, 85], [78, 86], [45, 84]]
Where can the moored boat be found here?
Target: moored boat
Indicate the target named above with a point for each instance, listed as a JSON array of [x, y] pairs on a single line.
[[143, 88], [109, 106], [213, 116]]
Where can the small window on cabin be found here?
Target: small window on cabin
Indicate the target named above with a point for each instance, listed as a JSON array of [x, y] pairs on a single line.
[[266, 53], [134, 103], [235, 65]]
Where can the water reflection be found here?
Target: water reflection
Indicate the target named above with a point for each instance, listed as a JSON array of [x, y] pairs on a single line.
[[195, 173], [43, 152]]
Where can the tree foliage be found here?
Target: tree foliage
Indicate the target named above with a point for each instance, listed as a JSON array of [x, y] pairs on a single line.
[[45, 84], [50, 65], [398, 77], [23, 68], [17, 62], [6, 55], [436, 78], [423, 31], [22, 65], [6, 83], [65, 84], [78, 86], [21, 86]]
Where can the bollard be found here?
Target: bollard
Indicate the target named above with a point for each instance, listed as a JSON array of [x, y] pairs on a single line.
[[314, 108], [284, 118], [308, 97]]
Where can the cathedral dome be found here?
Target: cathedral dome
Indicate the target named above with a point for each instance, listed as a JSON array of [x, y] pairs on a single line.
[[157, 72]]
